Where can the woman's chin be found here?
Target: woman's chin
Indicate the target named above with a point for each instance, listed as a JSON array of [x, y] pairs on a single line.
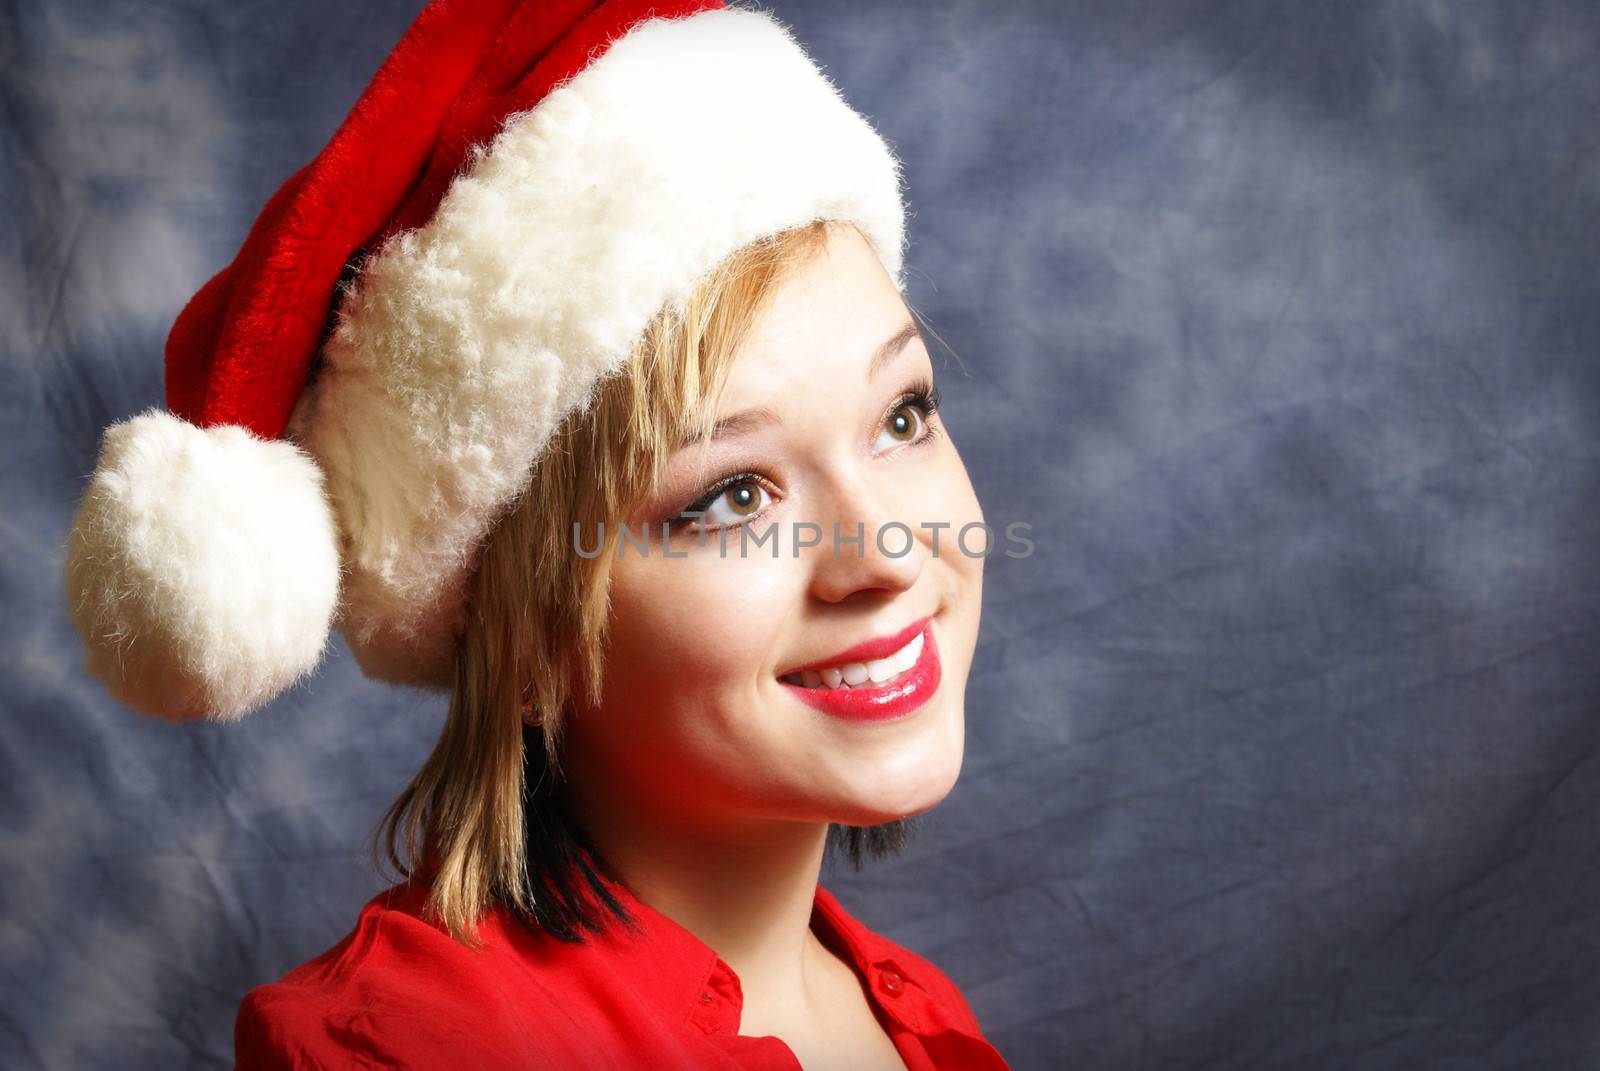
[[888, 800]]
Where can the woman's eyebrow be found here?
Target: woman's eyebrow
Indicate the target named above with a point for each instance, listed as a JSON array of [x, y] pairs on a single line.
[[741, 422], [891, 348], [749, 419]]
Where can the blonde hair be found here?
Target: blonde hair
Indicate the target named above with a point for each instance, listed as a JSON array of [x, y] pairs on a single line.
[[469, 821]]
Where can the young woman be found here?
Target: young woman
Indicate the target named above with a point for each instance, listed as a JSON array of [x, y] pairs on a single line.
[[626, 436]]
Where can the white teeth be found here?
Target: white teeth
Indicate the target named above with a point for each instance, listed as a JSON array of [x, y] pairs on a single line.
[[908, 655], [856, 674]]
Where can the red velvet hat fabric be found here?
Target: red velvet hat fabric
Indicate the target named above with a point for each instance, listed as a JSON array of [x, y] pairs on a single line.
[[522, 187], [242, 347]]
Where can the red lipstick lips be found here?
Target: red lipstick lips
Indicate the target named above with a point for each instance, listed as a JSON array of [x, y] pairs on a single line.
[[895, 698], [882, 647]]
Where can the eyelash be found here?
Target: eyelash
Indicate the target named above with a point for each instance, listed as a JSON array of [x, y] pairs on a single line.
[[922, 394]]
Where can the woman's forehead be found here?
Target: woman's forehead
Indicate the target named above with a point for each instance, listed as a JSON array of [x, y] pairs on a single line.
[[833, 324]]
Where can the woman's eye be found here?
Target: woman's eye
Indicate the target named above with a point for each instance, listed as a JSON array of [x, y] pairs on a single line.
[[903, 426], [738, 498], [737, 502]]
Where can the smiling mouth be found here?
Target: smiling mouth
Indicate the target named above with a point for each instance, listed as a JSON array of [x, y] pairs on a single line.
[[872, 674]]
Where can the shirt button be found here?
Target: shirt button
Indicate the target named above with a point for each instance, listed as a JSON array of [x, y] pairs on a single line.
[[705, 998], [891, 982]]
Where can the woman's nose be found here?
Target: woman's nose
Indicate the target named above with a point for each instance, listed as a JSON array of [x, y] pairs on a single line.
[[864, 547]]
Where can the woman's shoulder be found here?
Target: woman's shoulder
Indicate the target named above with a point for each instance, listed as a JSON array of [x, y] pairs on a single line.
[[399, 991]]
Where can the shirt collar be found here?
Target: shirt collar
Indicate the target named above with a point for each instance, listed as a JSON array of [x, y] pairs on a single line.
[[698, 985]]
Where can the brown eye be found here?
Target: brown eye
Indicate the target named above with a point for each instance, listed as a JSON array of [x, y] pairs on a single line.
[[911, 419], [728, 503], [744, 497], [905, 422]]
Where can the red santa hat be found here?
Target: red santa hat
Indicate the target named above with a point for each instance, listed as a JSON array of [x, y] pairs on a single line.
[[522, 188]]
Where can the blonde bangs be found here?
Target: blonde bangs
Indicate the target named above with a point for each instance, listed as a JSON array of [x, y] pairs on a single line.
[[537, 612]]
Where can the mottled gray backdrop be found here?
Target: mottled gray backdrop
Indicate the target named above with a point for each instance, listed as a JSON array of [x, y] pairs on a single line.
[[1278, 321]]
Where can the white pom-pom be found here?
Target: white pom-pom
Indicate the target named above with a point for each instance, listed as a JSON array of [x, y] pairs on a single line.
[[202, 567]]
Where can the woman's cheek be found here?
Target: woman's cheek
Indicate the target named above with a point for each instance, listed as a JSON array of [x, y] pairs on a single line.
[[943, 499], [704, 618]]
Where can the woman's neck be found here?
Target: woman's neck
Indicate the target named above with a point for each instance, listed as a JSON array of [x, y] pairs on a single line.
[[748, 895]]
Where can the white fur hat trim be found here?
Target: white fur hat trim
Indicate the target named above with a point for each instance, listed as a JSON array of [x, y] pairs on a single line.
[[463, 344]]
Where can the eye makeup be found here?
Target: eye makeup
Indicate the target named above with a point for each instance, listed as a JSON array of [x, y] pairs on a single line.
[[922, 394]]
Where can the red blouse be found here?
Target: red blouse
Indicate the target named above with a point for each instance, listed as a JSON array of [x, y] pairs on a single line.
[[399, 992]]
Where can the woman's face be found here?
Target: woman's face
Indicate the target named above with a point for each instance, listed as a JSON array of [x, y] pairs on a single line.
[[697, 725]]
